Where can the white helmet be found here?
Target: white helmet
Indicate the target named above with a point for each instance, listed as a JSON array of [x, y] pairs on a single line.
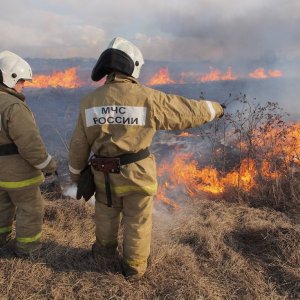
[[13, 68], [120, 55]]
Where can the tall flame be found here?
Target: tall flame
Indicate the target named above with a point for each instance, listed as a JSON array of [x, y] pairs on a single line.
[[66, 79], [162, 77]]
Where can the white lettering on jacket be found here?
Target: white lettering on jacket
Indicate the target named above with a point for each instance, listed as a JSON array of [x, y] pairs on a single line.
[[117, 115]]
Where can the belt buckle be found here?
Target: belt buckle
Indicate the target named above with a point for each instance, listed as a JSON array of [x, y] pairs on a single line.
[[115, 165], [107, 165]]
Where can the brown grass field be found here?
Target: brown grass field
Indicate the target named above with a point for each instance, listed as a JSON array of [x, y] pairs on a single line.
[[207, 249]]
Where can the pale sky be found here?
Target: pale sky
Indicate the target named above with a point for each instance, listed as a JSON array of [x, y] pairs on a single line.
[[185, 30]]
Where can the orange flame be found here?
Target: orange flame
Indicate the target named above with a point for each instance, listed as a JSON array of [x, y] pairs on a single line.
[[267, 172], [184, 134], [69, 78], [65, 79], [165, 200], [162, 77], [187, 174], [208, 179], [260, 73], [216, 75], [275, 73], [284, 145]]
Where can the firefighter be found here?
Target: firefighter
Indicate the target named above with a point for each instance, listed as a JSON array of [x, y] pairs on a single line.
[[23, 160], [116, 124]]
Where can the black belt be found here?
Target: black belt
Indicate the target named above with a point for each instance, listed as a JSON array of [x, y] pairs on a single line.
[[112, 165], [129, 158], [8, 149]]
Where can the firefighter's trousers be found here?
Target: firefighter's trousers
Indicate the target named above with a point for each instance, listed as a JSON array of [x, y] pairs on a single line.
[[27, 206], [136, 213]]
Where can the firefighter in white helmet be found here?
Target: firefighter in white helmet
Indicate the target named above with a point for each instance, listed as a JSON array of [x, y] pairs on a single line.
[[23, 160], [116, 123]]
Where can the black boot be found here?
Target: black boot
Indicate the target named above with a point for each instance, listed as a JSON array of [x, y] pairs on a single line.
[[27, 251], [4, 238]]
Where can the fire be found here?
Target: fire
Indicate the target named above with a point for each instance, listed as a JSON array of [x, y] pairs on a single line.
[[275, 73], [69, 78], [165, 200], [267, 172], [162, 77], [66, 79], [182, 171], [244, 177], [185, 173], [185, 134], [284, 145], [216, 75], [260, 73]]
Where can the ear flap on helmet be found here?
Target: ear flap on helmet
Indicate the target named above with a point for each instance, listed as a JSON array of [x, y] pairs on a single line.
[[112, 60]]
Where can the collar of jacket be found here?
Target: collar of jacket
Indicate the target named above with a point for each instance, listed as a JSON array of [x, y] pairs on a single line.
[[12, 92], [119, 77]]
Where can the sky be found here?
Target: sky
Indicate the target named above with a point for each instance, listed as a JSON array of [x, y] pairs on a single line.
[[175, 31]]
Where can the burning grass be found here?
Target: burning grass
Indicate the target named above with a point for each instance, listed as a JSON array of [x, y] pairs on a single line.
[[204, 250], [254, 159]]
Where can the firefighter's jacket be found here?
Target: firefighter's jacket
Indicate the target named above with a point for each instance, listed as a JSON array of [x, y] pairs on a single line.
[[17, 125], [122, 117]]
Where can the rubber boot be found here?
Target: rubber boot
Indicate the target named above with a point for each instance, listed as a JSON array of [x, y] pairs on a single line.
[[4, 238], [131, 273], [27, 250]]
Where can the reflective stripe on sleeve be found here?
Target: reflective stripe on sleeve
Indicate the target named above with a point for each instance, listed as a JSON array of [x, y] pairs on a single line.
[[211, 110], [5, 229], [19, 184], [74, 171], [29, 239], [44, 164]]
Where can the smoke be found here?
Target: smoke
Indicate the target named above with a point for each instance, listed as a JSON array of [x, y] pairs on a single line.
[[70, 191], [230, 32]]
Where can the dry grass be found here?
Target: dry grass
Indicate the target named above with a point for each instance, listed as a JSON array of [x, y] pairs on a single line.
[[207, 250]]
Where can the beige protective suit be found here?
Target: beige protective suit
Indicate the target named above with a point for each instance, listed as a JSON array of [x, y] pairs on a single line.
[[20, 174], [122, 117]]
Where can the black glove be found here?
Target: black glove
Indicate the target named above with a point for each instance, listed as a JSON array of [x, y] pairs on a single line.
[[86, 186]]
